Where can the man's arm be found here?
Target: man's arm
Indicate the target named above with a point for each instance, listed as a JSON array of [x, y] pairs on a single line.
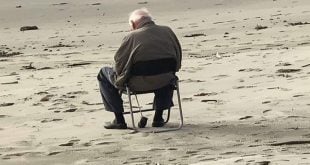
[[178, 51], [121, 59], [121, 56]]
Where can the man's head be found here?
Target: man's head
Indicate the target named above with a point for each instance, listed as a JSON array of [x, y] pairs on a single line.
[[138, 16]]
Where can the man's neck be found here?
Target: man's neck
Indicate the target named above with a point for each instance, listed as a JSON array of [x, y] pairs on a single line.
[[144, 22]]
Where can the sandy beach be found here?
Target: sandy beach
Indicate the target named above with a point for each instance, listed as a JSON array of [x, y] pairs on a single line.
[[245, 83]]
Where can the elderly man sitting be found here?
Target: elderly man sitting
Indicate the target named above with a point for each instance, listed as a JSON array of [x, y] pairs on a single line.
[[146, 41]]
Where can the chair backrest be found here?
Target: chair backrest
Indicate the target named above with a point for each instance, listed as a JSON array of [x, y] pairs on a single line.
[[154, 67]]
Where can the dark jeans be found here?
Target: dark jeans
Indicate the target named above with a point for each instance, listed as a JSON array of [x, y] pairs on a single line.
[[112, 99]]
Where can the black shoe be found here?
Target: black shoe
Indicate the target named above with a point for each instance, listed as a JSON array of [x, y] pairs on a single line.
[[115, 125], [159, 123]]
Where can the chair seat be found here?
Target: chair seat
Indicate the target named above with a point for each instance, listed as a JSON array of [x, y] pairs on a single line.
[[133, 92]]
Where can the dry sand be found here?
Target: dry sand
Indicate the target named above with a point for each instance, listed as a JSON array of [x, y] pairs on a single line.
[[51, 111]]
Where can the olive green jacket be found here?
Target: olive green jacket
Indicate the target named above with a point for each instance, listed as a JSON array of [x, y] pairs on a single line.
[[148, 42]]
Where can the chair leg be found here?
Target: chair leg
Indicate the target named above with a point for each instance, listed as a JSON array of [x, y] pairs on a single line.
[[168, 115], [181, 114], [130, 108], [180, 106]]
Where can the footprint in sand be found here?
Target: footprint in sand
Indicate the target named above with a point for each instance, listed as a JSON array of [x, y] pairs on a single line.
[[298, 95], [298, 23], [59, 4], [307, 65], [46, 98], [192, 69], [267, 110], [191, 81], [263, 163], [156, 149], [54, 153], [3, 116], [139, 162], [78, 64], [206, 94], [218, 77], [192, 152], [208, 159], [243, 87], [280, 88], [70, 110], [250, 70], [209, 100], [283, 64], [298, 142], [243, 49], [70, 143], [50, 120], [9, 83], [245, 117], [228, 153], [266, 102], [77, 93], [105, 143], [194, 35], [87, 103], [87, 144], [185, 99], [306, 135], [288, 70], [18, 154]]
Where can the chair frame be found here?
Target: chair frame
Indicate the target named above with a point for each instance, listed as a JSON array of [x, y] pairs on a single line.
[[131, 112]]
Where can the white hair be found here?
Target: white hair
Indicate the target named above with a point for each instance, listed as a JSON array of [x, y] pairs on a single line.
[[138, 14]]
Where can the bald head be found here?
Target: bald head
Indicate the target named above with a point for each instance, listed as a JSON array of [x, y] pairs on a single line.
[[137, 16]]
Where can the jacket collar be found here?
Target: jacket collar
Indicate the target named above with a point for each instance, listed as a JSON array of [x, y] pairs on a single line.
[[144, 22]]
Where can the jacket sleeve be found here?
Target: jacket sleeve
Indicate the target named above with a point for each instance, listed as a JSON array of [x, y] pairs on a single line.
[[121, 56], [178, 51], [121, 59], [179, 54]]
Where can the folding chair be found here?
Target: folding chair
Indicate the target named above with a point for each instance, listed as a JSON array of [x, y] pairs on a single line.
[[148, 68]]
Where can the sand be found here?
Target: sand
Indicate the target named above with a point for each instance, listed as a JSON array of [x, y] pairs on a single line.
[[244, 83]]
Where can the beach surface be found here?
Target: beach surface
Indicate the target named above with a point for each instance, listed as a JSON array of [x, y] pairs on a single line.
[[245, 83]]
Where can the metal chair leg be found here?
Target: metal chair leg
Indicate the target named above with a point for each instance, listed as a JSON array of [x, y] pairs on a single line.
[[180, 106], [181, 114], [130, 108]]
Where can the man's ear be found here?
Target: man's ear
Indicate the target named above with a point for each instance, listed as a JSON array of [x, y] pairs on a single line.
[[133, 25]]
